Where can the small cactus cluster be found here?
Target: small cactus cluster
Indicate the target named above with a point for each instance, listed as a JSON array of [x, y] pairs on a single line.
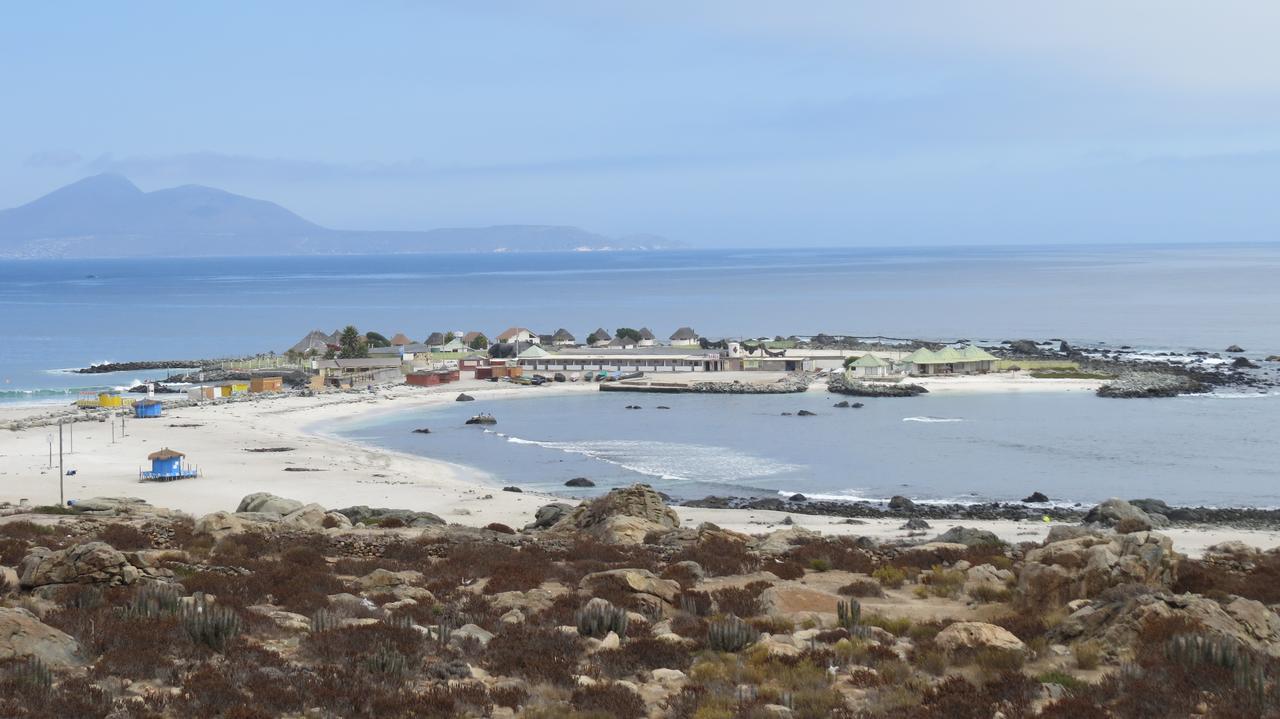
[[29, 672], [210, 624], [696, 603], [388, 664], [1202, 650], [730, 634], [849, 614], [599, 618], [398, 621], [154, 600], [323, 620]]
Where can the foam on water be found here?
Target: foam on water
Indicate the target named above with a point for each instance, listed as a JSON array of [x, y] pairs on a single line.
[[672, 460], [931, 419]]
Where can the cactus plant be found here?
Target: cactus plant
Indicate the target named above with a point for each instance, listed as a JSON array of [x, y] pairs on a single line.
[[599, 618], [29, 672], [154, 600], [210, 624], [849, 614], [730, 634], [323, 620], [1200, 650], [387, 663]]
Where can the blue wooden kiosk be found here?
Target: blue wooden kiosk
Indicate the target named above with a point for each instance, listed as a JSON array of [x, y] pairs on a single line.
[[166, 466], [147, 408]]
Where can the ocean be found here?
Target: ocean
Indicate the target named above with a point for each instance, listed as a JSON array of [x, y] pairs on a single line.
[[61, 314]]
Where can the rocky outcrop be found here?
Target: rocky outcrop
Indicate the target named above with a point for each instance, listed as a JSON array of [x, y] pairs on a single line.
[[969, 537], [9, 582], [977, 635], [1114, 511], [23, 635], [635, 581], [1083, 567], [790, 384], [624, 516], [267, 502], [89, 563], [1117, 623], [378, 515], [1151, 384], [839, 384]]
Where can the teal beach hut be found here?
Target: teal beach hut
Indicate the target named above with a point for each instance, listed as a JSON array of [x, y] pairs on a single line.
[[147, 408], [167, 465]]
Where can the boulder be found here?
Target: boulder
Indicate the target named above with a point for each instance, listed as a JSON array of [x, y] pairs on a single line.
[[579, 482], [969, 537], [1082, 568], [548, 515], [900, 502], [789, 599], [310, 516], [782, 540], [636, 581], [471, 631], [977, 635], [267, 502], [112, 506], [985, 576], [222, 524], [1035, 497], [464, 397], [915, 524], [88, 563], [23, 635], [624, 515], [385, 579], [1235, 348], [1113, 511]]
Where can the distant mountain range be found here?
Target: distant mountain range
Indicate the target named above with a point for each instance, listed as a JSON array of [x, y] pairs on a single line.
[[108, 216]]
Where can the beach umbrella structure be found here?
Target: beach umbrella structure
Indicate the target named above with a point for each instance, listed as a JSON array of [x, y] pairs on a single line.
[[167, 465]]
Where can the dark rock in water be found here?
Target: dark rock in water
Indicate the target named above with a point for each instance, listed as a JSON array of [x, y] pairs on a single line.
[[377, 515], [1152, 506], [548, 514], [857, 405], [771, 503], [633, 406], [916, 524], [806, 413], [842, 404], [1243, 363], [1065, 348], [798, 498], [579, 482], [464, 397], [786, 414], [1025, 347], [969, 537], [1235, 348], [1035, 497], [1273, 358], [662, 406], [900, 502], [513, 489], [482, 419], [157, 388], [422, 430]]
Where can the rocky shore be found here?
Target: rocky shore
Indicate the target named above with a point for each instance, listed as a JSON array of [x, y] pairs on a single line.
[[839, 384], [145, 365], [1239, 517], [791, 384], [1152, 384]]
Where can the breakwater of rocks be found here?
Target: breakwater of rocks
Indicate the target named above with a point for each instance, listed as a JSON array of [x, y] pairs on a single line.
[[840, 384], [1152, 384]]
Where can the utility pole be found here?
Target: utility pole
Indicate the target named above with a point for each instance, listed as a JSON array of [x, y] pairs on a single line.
[[122, 432], [48, 438], [71, 430], [113, 432], [62, 498]]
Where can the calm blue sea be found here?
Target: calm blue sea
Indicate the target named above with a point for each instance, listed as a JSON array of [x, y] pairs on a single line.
[[61, 314]]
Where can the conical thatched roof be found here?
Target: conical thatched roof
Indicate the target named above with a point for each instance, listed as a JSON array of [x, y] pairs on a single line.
[[165, 453]]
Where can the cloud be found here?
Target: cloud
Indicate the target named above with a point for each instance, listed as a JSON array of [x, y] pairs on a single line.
[[53, 158]]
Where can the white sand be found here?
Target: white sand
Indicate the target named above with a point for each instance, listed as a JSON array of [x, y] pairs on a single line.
[[354, 474]]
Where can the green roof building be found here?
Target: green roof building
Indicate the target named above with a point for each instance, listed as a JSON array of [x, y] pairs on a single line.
[[869, 365], [949, 360]]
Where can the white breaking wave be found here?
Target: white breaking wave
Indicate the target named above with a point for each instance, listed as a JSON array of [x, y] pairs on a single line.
[[931, 419], [671, 460]]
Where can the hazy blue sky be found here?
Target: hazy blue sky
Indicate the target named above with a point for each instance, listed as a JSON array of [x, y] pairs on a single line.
[[719, 123]]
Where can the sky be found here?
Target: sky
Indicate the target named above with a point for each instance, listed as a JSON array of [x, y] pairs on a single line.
[[735, 123]]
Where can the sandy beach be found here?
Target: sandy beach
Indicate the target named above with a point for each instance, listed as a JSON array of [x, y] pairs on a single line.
[[320, 467]]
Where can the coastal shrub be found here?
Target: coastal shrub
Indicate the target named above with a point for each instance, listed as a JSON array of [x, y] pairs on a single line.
[[897, 626], [820, 564], [1087, 655], [644, 654], [24, 529], [719, 556], [354, 645], [730, 634], [1261, 582], [509, 695], [611, 700], [540, 654], [1025, 625], [682, 574], [987, 593], [695, 602], [773, 624], [124, 537], [994, 662], [942, 582], [12, 551], [841, 553], [783, 569], [743, 601], [861, 588], [889, 576]]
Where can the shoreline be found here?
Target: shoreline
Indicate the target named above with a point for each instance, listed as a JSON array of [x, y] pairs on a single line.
[[342, 472]]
